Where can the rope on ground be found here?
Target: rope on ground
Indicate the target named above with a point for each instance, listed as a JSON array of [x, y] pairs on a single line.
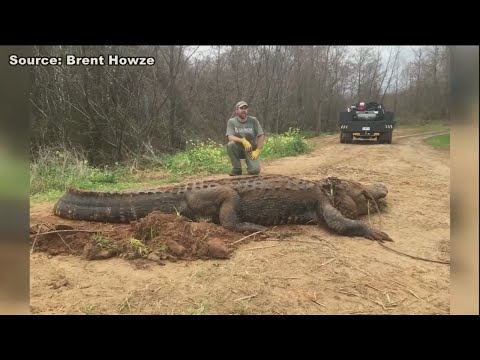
[[414, 257], [378, 210]]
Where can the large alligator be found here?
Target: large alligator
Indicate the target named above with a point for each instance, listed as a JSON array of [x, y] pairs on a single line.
[[246, 203]]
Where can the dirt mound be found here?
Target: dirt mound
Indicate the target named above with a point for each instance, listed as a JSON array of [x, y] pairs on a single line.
[[156, 237], [58, 239], [176, 237]]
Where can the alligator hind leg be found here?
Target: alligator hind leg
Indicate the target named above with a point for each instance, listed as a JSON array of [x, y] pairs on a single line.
[[222, 203], [229, 215]]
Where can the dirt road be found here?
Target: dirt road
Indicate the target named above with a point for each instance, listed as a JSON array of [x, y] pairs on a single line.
[[310, 271]]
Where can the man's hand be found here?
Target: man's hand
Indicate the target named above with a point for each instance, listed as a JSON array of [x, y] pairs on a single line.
[[247, 146], [254, 154]]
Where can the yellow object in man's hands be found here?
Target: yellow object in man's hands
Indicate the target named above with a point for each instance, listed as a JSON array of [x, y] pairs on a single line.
[[247, 146], [254, 154]]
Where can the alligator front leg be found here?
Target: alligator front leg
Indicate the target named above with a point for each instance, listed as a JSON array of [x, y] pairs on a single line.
[[222, 203], [344, 226]]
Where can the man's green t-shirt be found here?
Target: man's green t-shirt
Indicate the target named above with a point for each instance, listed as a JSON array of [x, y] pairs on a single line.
[[249, 129]]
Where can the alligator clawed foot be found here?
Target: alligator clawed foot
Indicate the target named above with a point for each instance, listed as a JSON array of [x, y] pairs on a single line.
[[374, 234], [245, 227]]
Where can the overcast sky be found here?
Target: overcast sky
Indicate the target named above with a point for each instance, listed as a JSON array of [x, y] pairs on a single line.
[[406, 52]]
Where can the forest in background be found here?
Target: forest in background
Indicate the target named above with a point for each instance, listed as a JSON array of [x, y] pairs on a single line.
[[118, 113]]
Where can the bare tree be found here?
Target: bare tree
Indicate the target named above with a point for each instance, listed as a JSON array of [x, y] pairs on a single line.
[[118, 112]]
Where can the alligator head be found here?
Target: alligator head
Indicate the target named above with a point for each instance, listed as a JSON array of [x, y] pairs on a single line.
[[353, 199]]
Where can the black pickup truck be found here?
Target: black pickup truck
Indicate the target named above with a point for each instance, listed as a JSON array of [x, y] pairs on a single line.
[[370, 123]]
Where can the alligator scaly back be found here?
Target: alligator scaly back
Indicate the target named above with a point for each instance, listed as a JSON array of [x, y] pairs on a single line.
[[127, 206], [246, 203]]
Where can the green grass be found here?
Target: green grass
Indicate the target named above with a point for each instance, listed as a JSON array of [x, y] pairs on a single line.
[[425, 127], [291, 143], [53, 170], [128, 183], [441, 141], [200, 158]]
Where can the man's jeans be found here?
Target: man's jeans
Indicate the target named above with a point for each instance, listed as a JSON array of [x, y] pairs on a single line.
[[236, 152]]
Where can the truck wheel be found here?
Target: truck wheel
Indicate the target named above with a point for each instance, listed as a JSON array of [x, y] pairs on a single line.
[[385, 138], [388, 138]]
